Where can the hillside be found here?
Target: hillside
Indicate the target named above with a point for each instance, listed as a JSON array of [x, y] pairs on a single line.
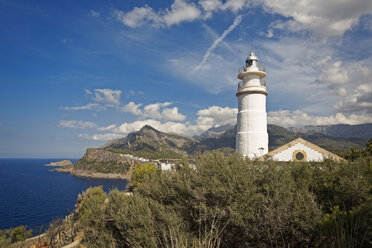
[[151, 143], [99, 163], [361, 131]]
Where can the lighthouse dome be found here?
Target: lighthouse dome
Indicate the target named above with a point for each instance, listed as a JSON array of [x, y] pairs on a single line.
[[252, 56]]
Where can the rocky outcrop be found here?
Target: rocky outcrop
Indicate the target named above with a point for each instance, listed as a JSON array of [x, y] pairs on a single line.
[[61, 163], [91, 174], [100, 163], [101, 155]]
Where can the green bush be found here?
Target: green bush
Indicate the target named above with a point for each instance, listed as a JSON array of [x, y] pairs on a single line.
[[346, 228], [227, 201], [101, 166], [139, 172], [92, 218], [14, 235]]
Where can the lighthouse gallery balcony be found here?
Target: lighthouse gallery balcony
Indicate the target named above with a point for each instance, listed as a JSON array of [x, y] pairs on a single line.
[[246, 70]]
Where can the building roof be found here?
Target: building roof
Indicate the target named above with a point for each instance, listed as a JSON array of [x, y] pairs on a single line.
[[326, 153]]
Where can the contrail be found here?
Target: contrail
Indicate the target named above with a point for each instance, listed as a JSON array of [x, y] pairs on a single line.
[[236, 22]]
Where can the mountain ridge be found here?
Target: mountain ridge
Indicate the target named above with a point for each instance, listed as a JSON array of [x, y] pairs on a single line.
[[150, 140], [362, 131], [150, 143]]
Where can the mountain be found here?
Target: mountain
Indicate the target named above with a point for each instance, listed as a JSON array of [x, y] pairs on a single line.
[[214, 132], [362, 131], [151, 143], [110, 159], [279, 136]]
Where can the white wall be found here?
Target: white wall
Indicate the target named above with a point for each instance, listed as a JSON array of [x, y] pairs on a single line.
[[287, 155]]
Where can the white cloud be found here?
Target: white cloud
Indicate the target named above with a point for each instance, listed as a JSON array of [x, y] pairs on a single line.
[[216, 116], [107, 128], [104, 97], [107, 96], [236, 22], [138, 16], [210, 5], [153, 110], [333, 72], [359, 100], [132, 108], [171, 122], [232, 5], [270, 33], [288, 118], [76, 124], [94, 13], [156, 111], [99, 137], [89, 106], [236, 5], [324, 18], [179, 11], [172, 114]]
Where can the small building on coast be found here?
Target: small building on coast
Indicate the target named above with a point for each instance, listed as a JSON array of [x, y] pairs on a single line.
[[302, 151]]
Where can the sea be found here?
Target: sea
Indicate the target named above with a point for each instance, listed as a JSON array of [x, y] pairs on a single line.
[[33, 195]]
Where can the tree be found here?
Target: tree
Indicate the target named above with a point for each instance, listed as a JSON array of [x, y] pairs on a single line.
[[139, 172]]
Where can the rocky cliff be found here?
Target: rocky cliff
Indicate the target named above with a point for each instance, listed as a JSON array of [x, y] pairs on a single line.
[[61, 163], [100, 163]]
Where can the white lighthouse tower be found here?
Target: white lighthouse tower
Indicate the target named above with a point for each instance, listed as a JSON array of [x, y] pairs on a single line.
[[252, 138]]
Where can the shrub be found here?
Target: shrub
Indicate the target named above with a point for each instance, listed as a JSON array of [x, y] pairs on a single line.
[[227, 201], [92, 218], [14, 235], [346, 228], [139, 172]]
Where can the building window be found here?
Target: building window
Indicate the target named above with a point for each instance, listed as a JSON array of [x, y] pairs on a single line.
[[299, 155]]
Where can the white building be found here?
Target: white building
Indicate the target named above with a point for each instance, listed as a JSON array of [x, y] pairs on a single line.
[[301, 150], [252, 139]]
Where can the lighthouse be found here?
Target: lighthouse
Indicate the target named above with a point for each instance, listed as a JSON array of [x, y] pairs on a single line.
[[252, 138]]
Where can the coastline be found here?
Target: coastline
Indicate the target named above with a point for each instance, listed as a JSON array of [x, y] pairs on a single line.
[[61, 163], [89, 174]]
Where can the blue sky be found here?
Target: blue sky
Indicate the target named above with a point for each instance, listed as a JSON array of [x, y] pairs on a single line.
[[75, 74]]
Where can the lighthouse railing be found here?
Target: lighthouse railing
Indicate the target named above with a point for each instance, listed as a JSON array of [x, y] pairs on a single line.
[[241, 84], [244, 68]]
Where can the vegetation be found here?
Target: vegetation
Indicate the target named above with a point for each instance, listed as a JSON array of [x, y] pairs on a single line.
[[139, 172], [111, 166], [14, 235], [355, 153], [226, 201], [153, 144], [149, 153]]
